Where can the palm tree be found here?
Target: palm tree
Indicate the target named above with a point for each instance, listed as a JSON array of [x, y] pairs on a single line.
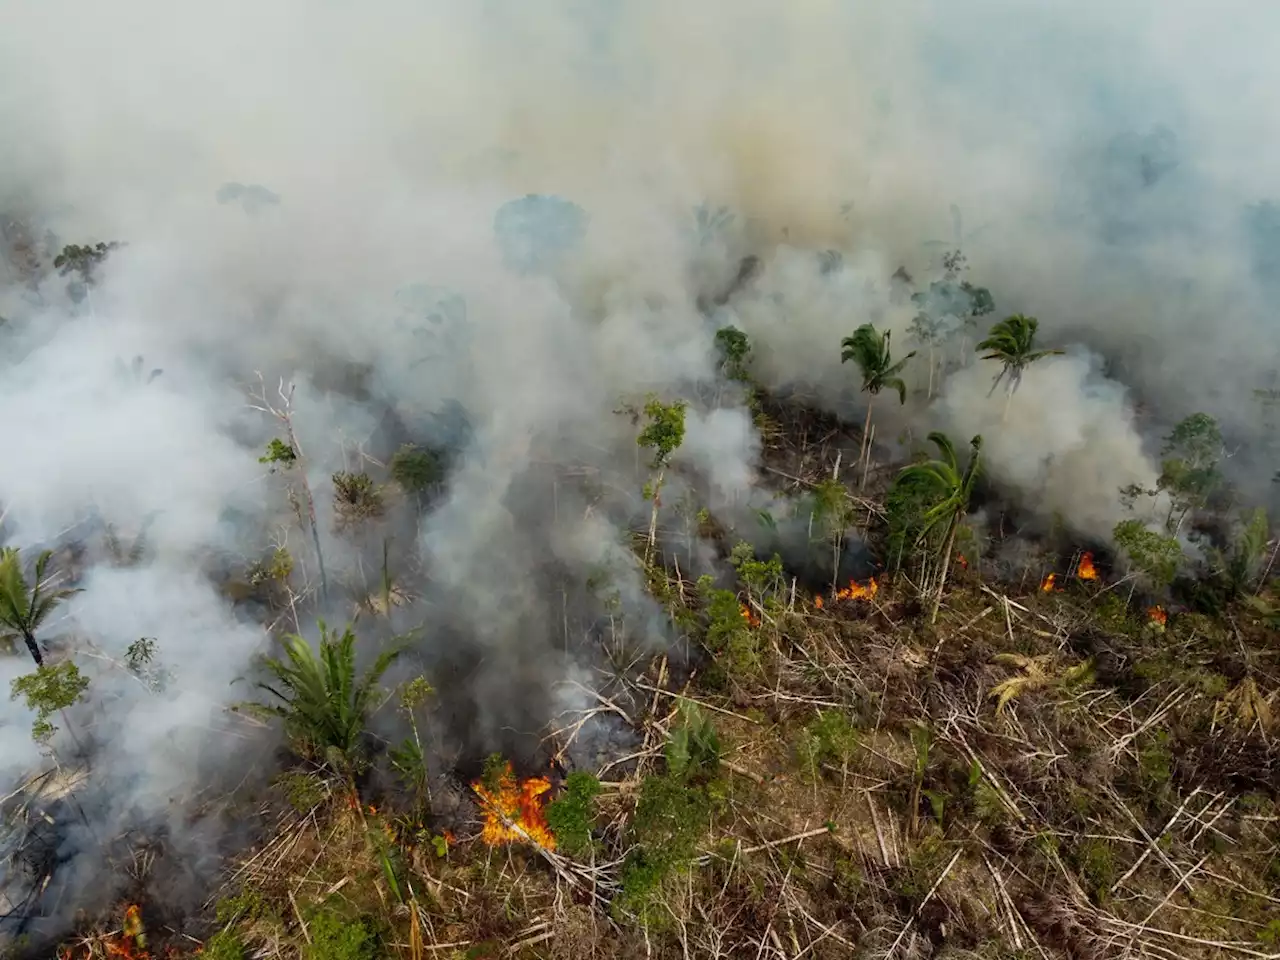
[[23, 607], [1012, 342], [323, 702], [949, 489], [870, 350]]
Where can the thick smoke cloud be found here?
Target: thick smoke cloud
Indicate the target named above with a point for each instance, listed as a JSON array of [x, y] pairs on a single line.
[[312, 190]]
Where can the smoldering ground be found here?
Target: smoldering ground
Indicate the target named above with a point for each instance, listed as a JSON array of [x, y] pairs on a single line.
[[1102, 166]]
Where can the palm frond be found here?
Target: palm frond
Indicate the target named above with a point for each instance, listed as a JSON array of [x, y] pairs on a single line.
[[321, 697]]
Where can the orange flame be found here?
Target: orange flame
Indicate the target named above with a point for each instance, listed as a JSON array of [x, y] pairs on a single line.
[[130, 943], [514, 811], [1085, 570], [1049, 583], [856, 591], [817, 603], [1158, 616], [749, 615], [964, 564]]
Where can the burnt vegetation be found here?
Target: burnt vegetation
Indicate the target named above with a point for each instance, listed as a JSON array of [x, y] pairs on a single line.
[[895, 740]]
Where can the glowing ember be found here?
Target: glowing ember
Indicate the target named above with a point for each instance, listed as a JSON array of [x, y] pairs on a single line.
[[817, 603], [749, 616], [1049, 583], [514, 811], [1158, 616], [1086, 570]]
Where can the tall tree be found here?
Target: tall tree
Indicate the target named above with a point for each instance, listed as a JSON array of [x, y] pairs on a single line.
[[23, 606], [1012, 342], [950, 490], [870, 350]]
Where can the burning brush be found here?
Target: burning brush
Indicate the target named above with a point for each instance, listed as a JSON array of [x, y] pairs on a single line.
[[854, 591], [749, 615], [1085, 570], [130, 943], [514, 810]]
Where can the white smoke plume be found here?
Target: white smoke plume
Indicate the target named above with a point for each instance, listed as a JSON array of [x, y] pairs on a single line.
[[312, 190]]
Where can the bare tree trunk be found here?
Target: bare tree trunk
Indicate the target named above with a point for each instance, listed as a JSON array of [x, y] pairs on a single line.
[[311, 507], [947, 550], [653, 517], [866, 430]]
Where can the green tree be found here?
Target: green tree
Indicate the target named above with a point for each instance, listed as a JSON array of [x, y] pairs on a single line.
[[663, 433], [24, 606], [869, 349], [833, 511], [734, 353], [323, 702], [1152, 553], [83, 261], [1189, 472], [947, 490], [1012, 342], [49, 690]]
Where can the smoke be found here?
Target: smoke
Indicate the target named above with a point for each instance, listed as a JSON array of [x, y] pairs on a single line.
[[317, 191]]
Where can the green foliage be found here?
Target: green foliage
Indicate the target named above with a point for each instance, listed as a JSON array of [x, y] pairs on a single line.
[[322, 700], [671, 816], [830, 738], [333, 938], [869, 349], [1151, 553], [245, 906], [1237, 566], [734, 350], [493, 772], [572, 815], [224, 945], [1012, 342], [139, 659], [279, 454], [693, 748], [415, 469], [303, 790], [356, 496], [764, 579], [407, 759], [664, 431], [24, 606], [945, 486], [276, 568], [82, 260], [1189, 473], [50, 689], [728, 632], [1095, 861]]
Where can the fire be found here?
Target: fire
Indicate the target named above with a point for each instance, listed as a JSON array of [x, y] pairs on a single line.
[[856, 591], [817, 603], [129, 944], [749, 615], [1158, 616], [1086, 570], [964, 564], [1049, 583], [514, 811]]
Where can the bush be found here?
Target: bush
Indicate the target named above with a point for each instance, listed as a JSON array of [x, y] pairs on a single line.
[[572, 815]]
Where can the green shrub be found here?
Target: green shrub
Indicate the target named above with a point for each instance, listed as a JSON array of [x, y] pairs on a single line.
[[571, 815], [333, 938]]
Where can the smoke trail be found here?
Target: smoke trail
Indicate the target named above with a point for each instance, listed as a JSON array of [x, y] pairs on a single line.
[[317, 192]]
